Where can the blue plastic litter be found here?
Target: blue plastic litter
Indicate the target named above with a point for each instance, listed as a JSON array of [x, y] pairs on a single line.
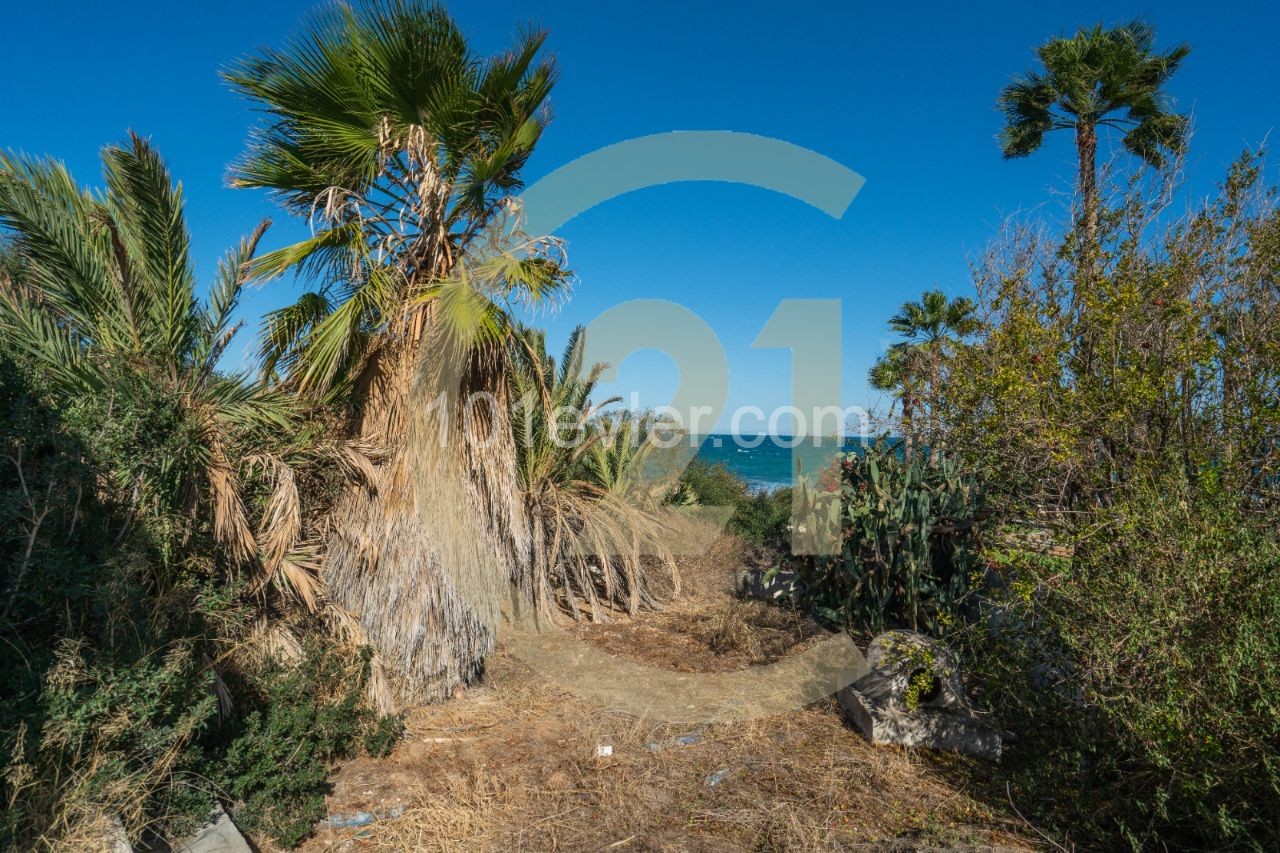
[[682, 740], [342, 822], [359, 818]]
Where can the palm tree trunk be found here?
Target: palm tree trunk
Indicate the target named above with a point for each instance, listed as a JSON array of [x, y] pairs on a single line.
[[422, 557], [1087, 149]]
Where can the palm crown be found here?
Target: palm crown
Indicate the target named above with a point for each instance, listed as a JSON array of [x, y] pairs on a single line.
[[400, 145], [1097, 78], [929, 329]]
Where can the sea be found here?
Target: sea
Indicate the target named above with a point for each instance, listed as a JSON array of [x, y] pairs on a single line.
[[770, 462]]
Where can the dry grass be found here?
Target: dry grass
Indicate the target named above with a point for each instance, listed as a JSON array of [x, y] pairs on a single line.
[[513, 764]]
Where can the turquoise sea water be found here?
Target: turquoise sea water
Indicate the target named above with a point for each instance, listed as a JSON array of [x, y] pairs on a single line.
[[771, 464]]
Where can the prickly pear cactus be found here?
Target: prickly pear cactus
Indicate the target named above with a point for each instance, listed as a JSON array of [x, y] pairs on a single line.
[[909, 531]]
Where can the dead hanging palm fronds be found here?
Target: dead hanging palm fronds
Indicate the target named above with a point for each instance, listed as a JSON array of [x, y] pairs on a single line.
[[595, 546], [230, 526], [288, 564]]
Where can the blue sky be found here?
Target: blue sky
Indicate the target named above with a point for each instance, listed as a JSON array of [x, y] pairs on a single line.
[[901, 94]]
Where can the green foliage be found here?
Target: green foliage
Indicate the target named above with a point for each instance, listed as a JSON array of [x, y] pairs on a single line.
[[114, 729], [104, 305], [309, 715], [1142, 673], [931, 329], [709, 485], [105, 693], [370, 105], [110, 619], [1090, 78], [595, 526], [1122, 412], [908, 535], [760, 517]]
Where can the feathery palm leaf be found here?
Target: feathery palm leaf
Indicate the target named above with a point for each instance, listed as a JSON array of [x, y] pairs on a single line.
[[106, 304], [575, 468]]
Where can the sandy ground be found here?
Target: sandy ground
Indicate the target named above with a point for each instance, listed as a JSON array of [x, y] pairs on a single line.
[[515, 763]]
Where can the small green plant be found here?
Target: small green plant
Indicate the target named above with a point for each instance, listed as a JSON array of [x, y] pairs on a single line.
[[311, 715]]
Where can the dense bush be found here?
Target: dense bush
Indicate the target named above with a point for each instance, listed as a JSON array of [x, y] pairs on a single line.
[[109, 623], [106, 690], [907, 537], [308, 716], [761, 516], [1122, 404], [1142, 674]]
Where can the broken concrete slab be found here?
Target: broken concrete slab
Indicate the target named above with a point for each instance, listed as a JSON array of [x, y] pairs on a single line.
[[116, 840], [912, 696], [219, 835], [758, 584]]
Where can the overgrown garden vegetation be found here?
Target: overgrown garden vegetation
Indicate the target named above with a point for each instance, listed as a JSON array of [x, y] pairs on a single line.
[[213, 586]]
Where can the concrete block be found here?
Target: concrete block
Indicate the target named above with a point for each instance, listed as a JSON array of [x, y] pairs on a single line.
[[939, 718], [781, 587], [219, 835]]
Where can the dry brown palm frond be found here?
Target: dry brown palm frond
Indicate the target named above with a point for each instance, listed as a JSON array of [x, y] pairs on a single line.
[[230, 526], [600, 551], [267, 640], [378, 689], [286, 564], [356, 459]]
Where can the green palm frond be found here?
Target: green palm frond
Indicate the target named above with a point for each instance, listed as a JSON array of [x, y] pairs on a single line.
[[284, 329], [146, 214], [929, 328], [105, 303], [1098, 77], [399, 144], [216, 329], [1027, 104], [55, 348], [67, 256]]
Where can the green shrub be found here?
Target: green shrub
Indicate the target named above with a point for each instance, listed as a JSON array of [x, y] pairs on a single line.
[[710, 485], [310, 715], [1143, 673], [108, 622], [759, 517], [105, 693], [907, 530], [1121, 408], [762, 517]]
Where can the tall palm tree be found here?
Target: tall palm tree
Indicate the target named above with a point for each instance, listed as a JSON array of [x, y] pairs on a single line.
[[104, 305], [403, 148], [1098, 78], [930, 328]]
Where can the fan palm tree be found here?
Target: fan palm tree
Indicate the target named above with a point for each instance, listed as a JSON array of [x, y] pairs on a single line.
[[930, 328], [1098, 78], [103, 303], [403, 149]]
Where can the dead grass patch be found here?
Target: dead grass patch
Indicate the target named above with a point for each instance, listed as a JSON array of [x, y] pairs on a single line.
[[513, 763]]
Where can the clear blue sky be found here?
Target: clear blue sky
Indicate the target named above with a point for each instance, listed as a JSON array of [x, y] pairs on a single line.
[[899, 93]]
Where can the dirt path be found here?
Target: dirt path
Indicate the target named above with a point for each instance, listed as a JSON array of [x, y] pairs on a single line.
[[515, 763]]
